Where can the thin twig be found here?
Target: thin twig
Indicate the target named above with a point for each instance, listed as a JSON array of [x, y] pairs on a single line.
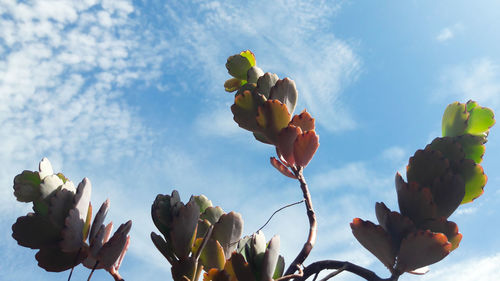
[[313, 225], [288, 277], [93, 269], [366, 274], [204, 243], [333, 274], [275, 212], [73, 267]]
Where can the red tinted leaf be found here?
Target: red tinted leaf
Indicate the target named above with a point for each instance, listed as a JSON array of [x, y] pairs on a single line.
[[280, 167], [376, 240], [304, 121], [285, 144], [304, 147], [272, 117]]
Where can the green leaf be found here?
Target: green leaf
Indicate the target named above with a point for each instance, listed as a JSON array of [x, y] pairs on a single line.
[[280, 267], [212, 214], [202, 202], [238, 65], [454, 120], [27, 186], [266, 82], [481, 119], [233, 84], [475, 179], [473, 146]]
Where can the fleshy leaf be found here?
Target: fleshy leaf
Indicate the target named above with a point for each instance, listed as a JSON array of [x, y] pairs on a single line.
[[425, 166], [420, 249], [280, 268], [216, 275], [232, 84], [376, 240], [27, 186], [266, 82], [304, 147], [281, 168], [254, 73], [285, 91], [397, 225], [202, 202], [45, 168], [54, 260], [473, 146], [415, 202], [245, 109], [241, 268], [99, 219], [304, 121], [481, 119], [474, 178], [285, 143], [183, 232], [449, 147], [212, 214], [272, 117], [73, 233], [183, 269], [228, 231], [448, 228], [34, 231], [49, 185], [59, 206], [454, 120], [238, 65], [162, 246], [270, 258], [447, 193], [112, 249], [212, 255]]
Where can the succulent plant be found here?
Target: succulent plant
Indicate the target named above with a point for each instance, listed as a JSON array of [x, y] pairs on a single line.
[[196, 235], [61, 223], [440, 177]]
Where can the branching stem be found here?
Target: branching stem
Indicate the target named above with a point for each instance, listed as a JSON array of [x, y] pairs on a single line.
[[315, 268], [313, 225]]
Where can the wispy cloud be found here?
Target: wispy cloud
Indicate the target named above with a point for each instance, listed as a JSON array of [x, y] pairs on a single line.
[[478, 80], [449, 32]]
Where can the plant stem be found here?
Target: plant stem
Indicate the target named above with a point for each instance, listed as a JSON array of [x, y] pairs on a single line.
[[368, 275], [313, 225]]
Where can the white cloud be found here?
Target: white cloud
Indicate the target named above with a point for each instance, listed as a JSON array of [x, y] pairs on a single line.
[[478, 80], [474, 268], [298, 44], [445, 34], [449, 32]]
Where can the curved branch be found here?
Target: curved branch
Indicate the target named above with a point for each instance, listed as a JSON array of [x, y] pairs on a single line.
[[313, 225], [367, 274]]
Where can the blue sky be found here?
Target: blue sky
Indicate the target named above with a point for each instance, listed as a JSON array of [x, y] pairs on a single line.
[[129, 94]]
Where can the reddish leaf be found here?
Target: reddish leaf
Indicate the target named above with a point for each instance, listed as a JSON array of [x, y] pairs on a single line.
[[448, 228], [422, 248], [304, 121], [285, 144], [304, 147], [280, 167], [376, 240], [397, 225]]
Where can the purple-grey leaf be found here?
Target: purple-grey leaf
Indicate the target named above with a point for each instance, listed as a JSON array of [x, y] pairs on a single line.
[[99, 219]]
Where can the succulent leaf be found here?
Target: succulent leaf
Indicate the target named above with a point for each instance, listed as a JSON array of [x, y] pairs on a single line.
[[448, 228], [212, 255], [272, 117], [113, 248], [228, 231], [397, 225], [270, 259], [448, 192], [425, 166], [184, 228], [163, 246], [27, 186], [285, 91], [481, 119], [376, 240], [473, 146], [34, 231], [233, 84], [238, 65], [415, 202], [420, 249], [99, 219], [304, 147], [253, 74], [241, 268], [245, 109], [304, 121], [475, 179], [281, 168], [202, 202], [285, 143], [53, 259], [45, 168], [454, 120], [266, 82]]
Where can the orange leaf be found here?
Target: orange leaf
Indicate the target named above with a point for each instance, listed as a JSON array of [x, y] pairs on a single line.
[[304, 121], [280, 167], [304, 147]]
